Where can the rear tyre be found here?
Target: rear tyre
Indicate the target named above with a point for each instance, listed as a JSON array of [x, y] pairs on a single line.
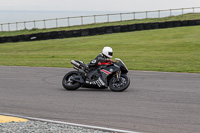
[[119, 85], [69, 84]]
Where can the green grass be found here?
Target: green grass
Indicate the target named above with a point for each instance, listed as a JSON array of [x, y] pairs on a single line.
[[172, 50], [172, 18]]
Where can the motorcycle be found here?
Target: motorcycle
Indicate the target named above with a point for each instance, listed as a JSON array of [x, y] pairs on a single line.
[[113, 76]]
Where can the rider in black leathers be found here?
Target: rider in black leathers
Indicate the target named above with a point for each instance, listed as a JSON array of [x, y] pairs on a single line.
[[103, 58], [101, 61]]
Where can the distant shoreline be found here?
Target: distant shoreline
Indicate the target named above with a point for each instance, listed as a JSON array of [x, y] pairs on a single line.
[[9, 16]]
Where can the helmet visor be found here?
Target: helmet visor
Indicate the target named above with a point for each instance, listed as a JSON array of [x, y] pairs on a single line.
[[110, 53]]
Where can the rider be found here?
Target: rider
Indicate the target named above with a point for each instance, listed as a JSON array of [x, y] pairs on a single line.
[[103, 58]]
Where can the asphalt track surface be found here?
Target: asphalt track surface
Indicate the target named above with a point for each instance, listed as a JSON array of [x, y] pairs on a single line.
[[155, 102]]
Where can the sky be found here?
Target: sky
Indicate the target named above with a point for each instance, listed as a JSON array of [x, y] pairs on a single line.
[[96, 5]]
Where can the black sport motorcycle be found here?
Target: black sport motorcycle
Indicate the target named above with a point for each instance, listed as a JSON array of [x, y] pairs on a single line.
[[113, 76]]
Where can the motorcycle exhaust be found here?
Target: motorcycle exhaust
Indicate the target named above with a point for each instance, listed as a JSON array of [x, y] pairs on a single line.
[[76, 68], [80, 70], [76, 64]]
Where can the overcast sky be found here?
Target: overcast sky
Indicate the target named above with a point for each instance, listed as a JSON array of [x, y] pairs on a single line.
[[96, 5]]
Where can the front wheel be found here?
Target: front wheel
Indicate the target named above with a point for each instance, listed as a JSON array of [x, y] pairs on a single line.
[[119, 85], [68, 84]]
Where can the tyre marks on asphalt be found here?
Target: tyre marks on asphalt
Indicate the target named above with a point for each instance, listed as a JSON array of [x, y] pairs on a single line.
[[51, 79]]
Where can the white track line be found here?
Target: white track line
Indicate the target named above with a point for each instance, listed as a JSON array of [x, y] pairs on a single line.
[[72, 124]]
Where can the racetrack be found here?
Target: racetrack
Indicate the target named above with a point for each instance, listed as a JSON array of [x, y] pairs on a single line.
[[156, 102]]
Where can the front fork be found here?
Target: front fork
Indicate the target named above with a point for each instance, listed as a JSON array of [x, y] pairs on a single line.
[[118, 75]]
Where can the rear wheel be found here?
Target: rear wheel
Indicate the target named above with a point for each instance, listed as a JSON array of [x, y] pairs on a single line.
[[119, 85], [68, 84]]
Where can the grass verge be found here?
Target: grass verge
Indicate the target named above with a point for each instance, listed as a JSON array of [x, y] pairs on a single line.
[[171, 50]]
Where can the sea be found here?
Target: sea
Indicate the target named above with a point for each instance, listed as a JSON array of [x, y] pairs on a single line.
[[64, 18], [19, 20]]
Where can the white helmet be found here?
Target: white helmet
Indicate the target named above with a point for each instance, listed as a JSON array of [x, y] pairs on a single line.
[[108, 52]]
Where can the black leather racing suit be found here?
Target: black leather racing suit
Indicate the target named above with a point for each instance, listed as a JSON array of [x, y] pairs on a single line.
[[99, 60]]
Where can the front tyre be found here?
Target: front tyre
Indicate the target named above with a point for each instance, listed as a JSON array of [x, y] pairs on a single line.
[[69, 84], [119, 85]]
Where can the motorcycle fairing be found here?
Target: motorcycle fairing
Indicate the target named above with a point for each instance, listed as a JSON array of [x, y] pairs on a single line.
[[108, 71]]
